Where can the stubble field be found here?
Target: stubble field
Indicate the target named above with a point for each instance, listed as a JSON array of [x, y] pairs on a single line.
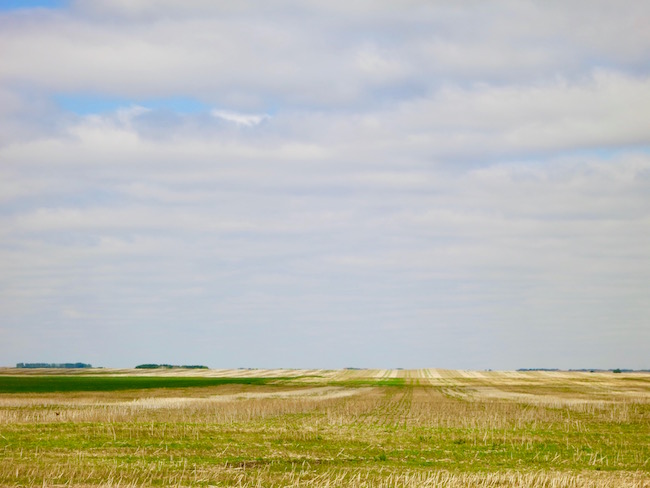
[[380, 428]]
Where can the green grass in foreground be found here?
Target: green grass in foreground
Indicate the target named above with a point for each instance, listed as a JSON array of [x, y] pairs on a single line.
[[390, 432]]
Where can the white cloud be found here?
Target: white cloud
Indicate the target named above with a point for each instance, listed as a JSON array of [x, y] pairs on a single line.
[[247, 56], [246, 120], [434, 172]]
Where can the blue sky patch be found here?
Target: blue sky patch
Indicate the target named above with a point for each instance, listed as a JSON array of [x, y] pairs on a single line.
[[85, 105], [27, 4]]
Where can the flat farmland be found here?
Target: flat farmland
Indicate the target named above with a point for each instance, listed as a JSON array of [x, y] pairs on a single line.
[[366, 428]]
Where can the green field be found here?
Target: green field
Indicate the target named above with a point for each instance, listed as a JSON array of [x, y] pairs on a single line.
[[51, 384], [325, 428]]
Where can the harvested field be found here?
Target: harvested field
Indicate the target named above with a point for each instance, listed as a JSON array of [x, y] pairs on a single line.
[[366, 428]]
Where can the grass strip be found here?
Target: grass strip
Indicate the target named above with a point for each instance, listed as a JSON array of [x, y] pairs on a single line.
[[51, 384]]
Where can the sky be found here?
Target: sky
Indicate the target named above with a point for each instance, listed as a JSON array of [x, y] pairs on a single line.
[[325, 184]]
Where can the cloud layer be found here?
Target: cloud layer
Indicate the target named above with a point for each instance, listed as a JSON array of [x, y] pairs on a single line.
[[356, 183]]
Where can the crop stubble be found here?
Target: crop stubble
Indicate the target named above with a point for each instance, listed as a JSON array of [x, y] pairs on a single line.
[[335, 428]]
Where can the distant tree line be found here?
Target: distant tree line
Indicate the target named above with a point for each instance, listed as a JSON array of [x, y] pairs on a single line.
[[587, 370], [169, 366], [54, 365]]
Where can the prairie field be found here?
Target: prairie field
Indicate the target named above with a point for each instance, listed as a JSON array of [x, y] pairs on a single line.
[[358, 428]]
